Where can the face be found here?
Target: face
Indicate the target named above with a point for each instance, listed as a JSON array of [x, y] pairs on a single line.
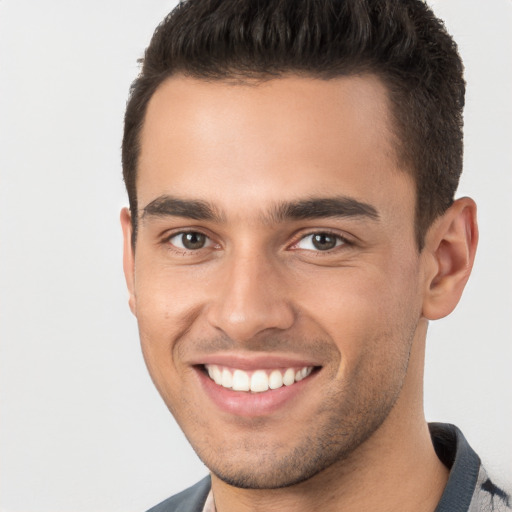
[[275, 280]]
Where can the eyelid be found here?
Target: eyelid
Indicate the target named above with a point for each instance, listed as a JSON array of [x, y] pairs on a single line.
[[166, 239], [345, 241], [297, 238]]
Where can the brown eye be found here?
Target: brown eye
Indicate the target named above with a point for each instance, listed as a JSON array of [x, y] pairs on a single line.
[[320, 242], [324, 241], [191, 240]]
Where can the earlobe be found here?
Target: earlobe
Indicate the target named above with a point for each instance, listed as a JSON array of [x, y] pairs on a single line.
[[450, 248], [128, 257]]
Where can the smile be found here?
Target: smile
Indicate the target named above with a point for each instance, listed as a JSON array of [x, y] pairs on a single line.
[[257, 381]]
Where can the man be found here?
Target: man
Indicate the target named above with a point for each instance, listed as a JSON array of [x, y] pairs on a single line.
[[291, 169]]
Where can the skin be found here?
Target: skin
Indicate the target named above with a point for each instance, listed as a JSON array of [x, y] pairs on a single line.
[[358, 312]]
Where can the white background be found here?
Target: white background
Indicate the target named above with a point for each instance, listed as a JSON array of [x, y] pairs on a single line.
[[82, 428]]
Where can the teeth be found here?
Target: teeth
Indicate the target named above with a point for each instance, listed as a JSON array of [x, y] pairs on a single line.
[[227, 379], [216, 375], [259, 381], [275, 380], [289, 377], [241, 381]]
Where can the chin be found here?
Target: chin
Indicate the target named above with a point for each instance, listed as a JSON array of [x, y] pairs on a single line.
[[262, 466]]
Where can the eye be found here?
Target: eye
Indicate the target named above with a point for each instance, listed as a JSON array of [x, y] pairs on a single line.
[[320, 242], [190, 240]]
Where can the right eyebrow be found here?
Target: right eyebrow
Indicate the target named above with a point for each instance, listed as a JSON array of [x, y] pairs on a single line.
[[323, 207], [170, 206]]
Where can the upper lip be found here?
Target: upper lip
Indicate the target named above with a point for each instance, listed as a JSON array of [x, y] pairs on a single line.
[[249, 362]]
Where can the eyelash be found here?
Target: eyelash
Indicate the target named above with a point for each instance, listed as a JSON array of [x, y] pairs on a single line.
[[183, 250], [341, 242]]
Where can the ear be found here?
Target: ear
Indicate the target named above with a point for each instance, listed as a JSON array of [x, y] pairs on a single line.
[[450, 247], [128, 257]]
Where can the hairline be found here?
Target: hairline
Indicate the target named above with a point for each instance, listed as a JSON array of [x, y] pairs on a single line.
[[237, 77]]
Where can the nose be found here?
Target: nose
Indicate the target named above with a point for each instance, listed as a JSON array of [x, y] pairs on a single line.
[[250, 299]]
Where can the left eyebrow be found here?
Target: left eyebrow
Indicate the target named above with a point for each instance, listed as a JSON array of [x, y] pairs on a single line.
[[165, 206], [317, 208]]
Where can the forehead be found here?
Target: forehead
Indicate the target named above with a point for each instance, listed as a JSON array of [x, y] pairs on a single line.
[[269, 141]]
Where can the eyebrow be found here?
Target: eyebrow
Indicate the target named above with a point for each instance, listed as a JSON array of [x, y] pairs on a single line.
[[317, 208], [310, 208], [165, 206]]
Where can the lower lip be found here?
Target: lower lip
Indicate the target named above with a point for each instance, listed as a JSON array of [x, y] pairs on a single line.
[[251, 405]]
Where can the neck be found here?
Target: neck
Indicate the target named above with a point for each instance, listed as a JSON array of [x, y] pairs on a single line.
[[396, 469]]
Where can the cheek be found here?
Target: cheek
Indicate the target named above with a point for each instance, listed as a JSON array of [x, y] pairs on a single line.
[[166, 299], [162, 307], [369, 312]]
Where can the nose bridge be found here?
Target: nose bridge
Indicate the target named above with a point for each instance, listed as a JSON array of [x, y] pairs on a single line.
[[251, 297]]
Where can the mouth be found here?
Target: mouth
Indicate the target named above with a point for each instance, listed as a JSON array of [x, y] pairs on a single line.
[[258, 380], [256, 385]]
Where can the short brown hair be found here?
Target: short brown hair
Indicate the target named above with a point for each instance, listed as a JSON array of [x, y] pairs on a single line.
[[400, 41]]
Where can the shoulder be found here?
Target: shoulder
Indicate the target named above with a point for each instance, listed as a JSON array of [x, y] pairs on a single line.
[[469, 488], [189, 500], [489, 496]]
